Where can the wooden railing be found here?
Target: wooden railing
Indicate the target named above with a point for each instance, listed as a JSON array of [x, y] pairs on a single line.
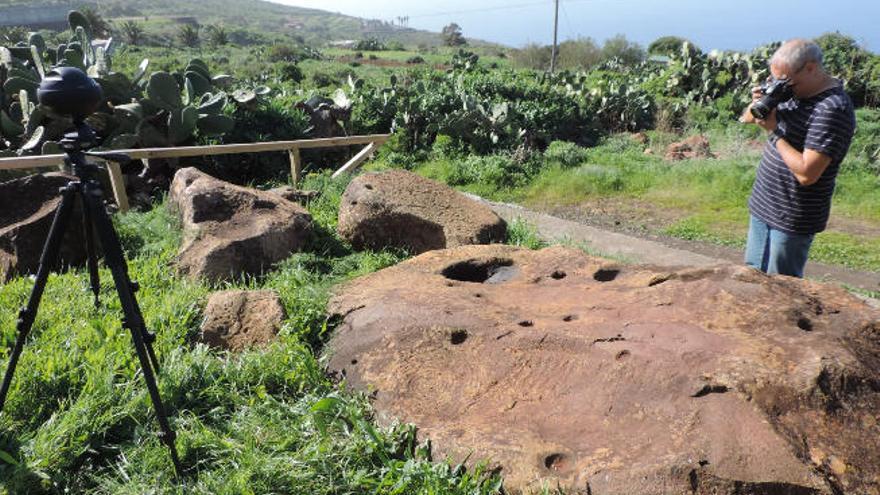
[[372, 141]]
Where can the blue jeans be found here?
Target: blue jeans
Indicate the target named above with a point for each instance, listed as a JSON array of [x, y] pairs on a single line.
[[774, 251]]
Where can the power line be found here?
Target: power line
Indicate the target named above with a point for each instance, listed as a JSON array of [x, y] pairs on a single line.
[[555, 31], [482, 9]]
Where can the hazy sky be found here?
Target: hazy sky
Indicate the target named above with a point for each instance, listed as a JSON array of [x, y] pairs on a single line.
[[730, 24]]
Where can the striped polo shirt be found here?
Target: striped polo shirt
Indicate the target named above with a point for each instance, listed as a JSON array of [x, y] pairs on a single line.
[[825, 123]]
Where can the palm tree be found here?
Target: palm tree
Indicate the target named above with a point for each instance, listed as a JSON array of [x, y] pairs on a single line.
[[189, 35], [133, 32], [217, 35]]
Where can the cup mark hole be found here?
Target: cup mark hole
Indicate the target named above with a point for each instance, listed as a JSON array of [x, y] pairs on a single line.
[[556, 462], [606, 275], [805, 324]]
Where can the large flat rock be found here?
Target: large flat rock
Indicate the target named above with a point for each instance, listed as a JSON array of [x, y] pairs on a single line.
[[606, 379]]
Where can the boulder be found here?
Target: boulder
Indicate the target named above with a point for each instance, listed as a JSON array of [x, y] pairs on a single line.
[[561, 368], [27, 208], [403, 210], [229, 230], [692, 147], [238, 319]]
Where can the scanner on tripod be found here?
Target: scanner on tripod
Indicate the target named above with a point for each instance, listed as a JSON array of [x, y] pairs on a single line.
[[69, 91]]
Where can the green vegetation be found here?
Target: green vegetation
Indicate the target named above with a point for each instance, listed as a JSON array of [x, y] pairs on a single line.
[[266, 421]]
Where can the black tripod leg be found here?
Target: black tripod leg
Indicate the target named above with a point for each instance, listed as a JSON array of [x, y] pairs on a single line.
[[134, 320], [94, 280], [28, 314]]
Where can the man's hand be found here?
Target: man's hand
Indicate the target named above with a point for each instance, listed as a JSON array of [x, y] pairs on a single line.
[[768, 124]]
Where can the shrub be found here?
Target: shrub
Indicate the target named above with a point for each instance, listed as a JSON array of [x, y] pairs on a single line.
[[415, 60], [667, 45], [283, 53], [532, 56], [289, 72], [322, 79], [370, 45], [446, 147], [565, 153], [499, 171]]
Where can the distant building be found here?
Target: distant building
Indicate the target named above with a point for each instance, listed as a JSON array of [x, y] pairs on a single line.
[[347, 44], [51, 14]]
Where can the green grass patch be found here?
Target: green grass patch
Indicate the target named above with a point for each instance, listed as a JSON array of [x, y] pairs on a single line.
[[78, 418], [523, 234]]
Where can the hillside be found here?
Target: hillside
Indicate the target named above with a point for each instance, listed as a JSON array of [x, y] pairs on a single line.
[[261, 18]]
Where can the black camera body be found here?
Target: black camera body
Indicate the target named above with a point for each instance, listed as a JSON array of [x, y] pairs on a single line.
[[775, 92]]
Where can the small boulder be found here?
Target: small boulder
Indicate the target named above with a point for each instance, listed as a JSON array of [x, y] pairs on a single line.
[[27, 208], [640, 137], [229, 230], [404, 210], [692, 147], [238, 319]]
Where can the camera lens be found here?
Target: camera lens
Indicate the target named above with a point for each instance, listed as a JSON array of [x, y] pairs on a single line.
[[760, 109]]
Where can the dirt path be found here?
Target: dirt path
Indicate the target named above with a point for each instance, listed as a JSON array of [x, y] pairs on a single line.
[[652, 249]]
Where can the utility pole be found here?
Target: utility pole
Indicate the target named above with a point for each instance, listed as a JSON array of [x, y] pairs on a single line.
[[555, 30]]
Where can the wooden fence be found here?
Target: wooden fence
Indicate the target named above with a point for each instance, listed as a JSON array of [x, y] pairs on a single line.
[[293, 148]]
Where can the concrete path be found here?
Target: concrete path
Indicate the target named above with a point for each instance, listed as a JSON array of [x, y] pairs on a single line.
[[662, 251]]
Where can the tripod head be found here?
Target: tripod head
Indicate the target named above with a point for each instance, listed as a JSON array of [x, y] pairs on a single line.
[[68, 91]]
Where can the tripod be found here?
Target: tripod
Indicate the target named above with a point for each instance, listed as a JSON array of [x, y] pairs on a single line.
[[95, 219]]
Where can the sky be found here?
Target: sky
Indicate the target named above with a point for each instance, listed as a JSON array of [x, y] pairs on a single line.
[[726, 25]]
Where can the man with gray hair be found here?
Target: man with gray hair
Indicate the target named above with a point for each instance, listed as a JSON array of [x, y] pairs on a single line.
[[809, 135]]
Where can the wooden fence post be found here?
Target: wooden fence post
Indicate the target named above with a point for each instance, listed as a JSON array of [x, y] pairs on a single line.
[[117, 181], [356, 160], [295, 166]]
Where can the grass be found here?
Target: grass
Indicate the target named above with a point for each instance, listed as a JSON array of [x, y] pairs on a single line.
[[703, 199], [78, 419]]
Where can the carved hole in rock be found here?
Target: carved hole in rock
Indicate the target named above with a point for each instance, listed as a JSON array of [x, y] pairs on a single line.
[[569, 318], [622, 354], [478, 295], [558, 274], [605, 275], [526, 323], [354, 203], [555, 462], [458, 337], [368, 187], [479, 271], [805, 324], [711, 389], [354, 361]]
